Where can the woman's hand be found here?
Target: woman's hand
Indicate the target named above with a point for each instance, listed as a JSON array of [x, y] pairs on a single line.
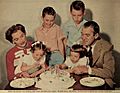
[[18, 75], [22, 74]]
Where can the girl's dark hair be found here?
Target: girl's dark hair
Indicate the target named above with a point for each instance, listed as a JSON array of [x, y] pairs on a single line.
[[49, 11], [13, 29], [79, 49], [37, 44]]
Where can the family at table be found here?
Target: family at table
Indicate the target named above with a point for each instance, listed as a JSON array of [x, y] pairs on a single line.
[[76, 46]]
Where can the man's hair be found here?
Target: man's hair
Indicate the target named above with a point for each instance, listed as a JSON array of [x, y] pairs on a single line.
[[13, 29], [94, 25], [77, 5], [49, 11]]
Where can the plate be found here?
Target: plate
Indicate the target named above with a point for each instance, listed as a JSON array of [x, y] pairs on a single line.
[[22, 82], [92, 81]]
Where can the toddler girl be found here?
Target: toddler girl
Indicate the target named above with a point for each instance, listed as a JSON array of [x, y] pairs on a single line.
[[77, 57], [34, 63]]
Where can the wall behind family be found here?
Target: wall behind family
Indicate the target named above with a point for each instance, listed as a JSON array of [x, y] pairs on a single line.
[[28, 13]]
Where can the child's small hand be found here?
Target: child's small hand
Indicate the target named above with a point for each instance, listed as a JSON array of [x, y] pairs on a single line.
[[47, 68], [25, 74], [69, 70], [57, 66], [62, 66], [37, 64], [22, 74], [34, 75]]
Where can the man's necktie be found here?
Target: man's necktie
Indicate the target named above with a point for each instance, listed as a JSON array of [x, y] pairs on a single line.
[[89, 54]]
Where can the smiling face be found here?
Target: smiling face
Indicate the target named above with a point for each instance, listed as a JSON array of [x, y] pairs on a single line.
[[19, 39], [77, 16], [38, 54], [74, 56], [48, 21], [88, 37]]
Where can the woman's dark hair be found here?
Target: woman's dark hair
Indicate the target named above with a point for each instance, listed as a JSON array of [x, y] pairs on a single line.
[[13, 29], [49, 11], [77, 5], [37, 44], [79, 49]]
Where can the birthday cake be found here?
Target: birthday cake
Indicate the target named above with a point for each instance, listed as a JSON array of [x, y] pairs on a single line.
[[54, 81]]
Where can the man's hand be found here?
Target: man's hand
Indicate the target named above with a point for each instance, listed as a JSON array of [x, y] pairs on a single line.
[[80, 70]]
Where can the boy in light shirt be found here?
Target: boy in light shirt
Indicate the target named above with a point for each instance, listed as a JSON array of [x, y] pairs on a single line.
[[52, 36], [73, 27]]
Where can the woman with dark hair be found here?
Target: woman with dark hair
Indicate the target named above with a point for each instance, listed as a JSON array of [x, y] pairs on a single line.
[[16, 35]]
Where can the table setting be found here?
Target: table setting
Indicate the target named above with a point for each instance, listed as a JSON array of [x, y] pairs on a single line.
[[57, 80]]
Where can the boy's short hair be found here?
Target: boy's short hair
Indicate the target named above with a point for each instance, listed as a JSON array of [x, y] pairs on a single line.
[[77, 5], [13, 29], [79, 49], [49, 11], [39, 45]]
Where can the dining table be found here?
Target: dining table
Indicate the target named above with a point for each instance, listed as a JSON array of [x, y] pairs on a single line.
[[75, 86]]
